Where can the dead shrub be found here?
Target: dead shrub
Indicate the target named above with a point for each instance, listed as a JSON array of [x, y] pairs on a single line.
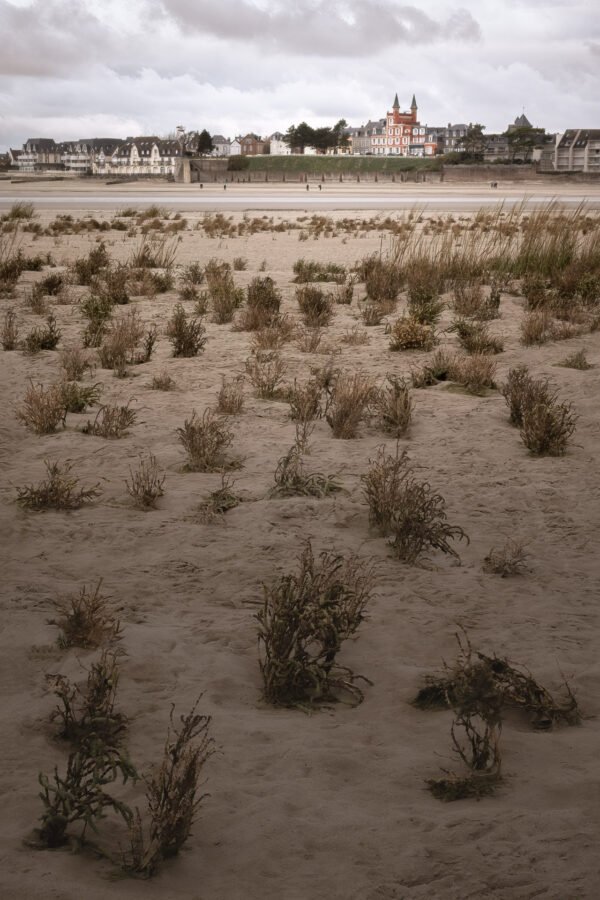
[[355, 337], [111, 421], [265, 371], [408, 334], [74, 362], [474, 373], [88, 714], [60, 490], [467, 299], [304, 620], [163, 382], [372, 314], [86, 620], [219, 502], [230, 399], [547, 427], [205, 441], [172, 795], [273, 336], [309, 339], [407, 510], [507, 560], [77, 397], [438, 369], [343, 294], [145, 484], [111, 286], [536, 328], [43, 409], [479, 750], [383, 281], [188, 337], [576, 360], [117, 350], [521, 391], [42, 338], [349, 400], [305, 401], [10, 330], [316, 307], [394, 406], [474, 337], [485, 685], [36, 301], [291, 478]]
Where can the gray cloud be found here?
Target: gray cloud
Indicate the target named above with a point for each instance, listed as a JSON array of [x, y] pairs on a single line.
[[322, 27]]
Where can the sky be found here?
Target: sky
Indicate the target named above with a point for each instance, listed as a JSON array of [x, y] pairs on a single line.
[[99, 68]]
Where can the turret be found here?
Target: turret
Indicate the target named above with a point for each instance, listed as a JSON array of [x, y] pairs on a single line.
[[395, 104], [413, 108]]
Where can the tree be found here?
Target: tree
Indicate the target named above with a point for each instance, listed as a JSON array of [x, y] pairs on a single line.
[[522, 139], [473, 142], [205, 144]]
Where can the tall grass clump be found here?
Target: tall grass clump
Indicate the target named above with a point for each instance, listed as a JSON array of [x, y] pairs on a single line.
[[316, 307], [349, 399], [266, 371], [263, 301], [43, 409], [60, 490], [394, 406], [187, 336]]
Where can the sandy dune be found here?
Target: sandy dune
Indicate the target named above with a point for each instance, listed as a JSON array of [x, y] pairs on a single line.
[[330, 806]]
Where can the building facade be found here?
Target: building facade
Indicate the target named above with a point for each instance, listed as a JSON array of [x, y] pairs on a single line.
[[578, 150], [141, 156]]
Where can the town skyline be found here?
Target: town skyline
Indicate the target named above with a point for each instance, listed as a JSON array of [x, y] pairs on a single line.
[[257, 65]]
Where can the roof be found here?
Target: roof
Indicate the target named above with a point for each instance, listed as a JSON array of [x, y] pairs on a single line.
[[395, 104], [523, 122], [219, 139], [42, 143], [579, 137], [413, 105]]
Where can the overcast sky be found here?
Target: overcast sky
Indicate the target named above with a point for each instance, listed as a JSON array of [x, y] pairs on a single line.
[[87, 68]]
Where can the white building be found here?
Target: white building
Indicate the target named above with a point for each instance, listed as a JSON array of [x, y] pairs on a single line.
[[141, 156], [221, 145], [278, 146], [235, 147]]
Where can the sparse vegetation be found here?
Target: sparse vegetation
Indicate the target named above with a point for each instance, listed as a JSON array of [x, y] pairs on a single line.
[[349, 400], [60, 490], [304, 620], [230, 399], [188, 336], [408, 334], [86, 619], [394, 406], [265, 370], [43, 409], [205, 441], [111, 421], [145, 484]]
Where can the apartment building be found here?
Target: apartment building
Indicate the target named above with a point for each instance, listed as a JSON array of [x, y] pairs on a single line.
[[578, 150]]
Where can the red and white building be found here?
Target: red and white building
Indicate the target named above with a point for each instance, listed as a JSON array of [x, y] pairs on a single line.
[[401, 134]]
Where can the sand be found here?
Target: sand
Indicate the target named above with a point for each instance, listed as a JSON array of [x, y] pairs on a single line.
[[329, 806]]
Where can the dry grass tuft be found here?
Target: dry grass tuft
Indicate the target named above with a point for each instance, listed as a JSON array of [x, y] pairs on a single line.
[[146, 483], [188, 337], [86, 620], [42, 338], [576, 360], [507, 560], [172, 795], [407, 510], [9, 335], [77, 397], [304, 620], [219, 502], [394, 406], [43, 409], [205, 441], [547, 427], [408, 334], [60, 490], [474, 373], [230, 399], [266, 371], [348, 402], [163, 382], [355, 337], [74, 362], [316, 307], [111, 421], [474, 337], [291, 479]]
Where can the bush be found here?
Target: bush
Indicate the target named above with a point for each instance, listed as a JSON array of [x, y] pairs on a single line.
[[118, 347], [86, 620], [225, 296], [522, 392], [547, 427], [438, 368], [474, 337], [172, 795], [475, 373], [112, 286], [74, 362], [349, 399], [205, 441], [146, 483], [506, 561], [383, 280], [305, 401], [240, 263], [77, 397], [111, 421], [230, 399], [187, 337], [163, 382], [273, 336], [10, 331], [86, 268], [265, 372], [310, 270], [59, 491], [262, 305], [42, 338], [372, 314], [291, 479], [576, 360], [98, 311], [316, 307], [394, 406], [219, 502], [407, 510], [408, 334], [43, 408], [304, 620]]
